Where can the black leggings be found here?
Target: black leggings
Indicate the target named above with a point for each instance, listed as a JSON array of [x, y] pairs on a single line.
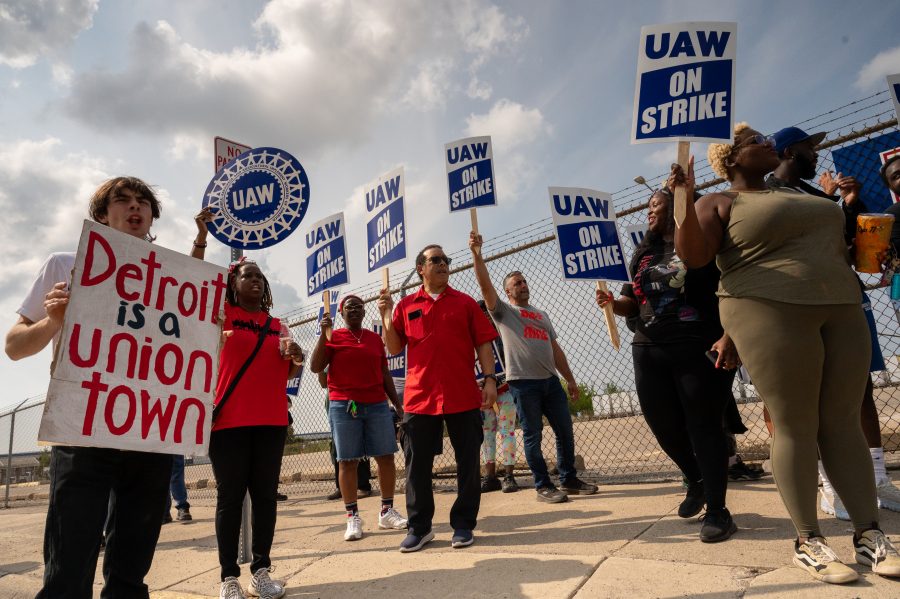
[[683, 398], [246, 459]]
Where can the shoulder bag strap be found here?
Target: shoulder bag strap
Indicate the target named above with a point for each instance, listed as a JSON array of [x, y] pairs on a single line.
[[240, 373]]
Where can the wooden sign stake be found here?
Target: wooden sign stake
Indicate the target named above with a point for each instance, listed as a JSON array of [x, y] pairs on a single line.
[[326, 301], [611, 326], [684, 155]]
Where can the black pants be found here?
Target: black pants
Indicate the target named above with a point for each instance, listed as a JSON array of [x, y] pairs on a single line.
[[84, 483], [246, 459], [683, 399], [422, 434], [363, 471]]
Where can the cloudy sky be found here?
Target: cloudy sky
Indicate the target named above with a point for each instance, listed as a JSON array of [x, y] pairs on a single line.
[[92, 89]]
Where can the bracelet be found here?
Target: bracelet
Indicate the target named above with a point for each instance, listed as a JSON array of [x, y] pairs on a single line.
[[200, 245], [491, 376]]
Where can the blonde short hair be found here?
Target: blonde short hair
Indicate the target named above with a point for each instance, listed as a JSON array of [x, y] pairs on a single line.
[[717, 153]]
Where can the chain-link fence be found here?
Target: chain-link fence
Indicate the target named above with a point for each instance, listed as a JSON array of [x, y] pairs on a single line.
[[611, 437]]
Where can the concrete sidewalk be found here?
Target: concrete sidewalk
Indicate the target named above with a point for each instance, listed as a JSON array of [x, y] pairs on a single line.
[[626, 541]]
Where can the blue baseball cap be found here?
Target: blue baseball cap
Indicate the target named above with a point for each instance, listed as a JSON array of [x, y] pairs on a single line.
[[792, 135]]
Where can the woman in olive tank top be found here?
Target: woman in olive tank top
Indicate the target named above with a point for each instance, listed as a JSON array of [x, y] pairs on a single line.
[[790, 302]]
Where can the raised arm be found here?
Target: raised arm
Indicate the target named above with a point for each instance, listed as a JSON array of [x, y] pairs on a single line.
[[481, 273], [699, 238], [392, 341], [320, 360], [198, 249]]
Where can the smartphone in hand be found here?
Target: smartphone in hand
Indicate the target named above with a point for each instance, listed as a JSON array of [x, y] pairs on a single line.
[[713, 356]]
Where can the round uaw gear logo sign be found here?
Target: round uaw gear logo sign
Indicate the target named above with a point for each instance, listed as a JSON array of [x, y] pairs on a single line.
[[258, 199]]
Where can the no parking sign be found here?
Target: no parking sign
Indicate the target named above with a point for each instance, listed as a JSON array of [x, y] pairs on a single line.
[[258, 199]]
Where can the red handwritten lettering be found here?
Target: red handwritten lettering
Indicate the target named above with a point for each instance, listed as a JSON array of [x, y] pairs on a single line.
[[531, 315], [111, 406], [94, 387], [164, 416], [74, 357], [128, 271], [159, 365], [86, 279], [182, 415]]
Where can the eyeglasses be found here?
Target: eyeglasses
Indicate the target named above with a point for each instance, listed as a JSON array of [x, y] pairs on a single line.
[[435, 260], [758, 139]]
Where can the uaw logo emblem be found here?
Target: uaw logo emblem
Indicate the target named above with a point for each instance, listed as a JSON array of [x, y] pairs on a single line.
[[258, 199]]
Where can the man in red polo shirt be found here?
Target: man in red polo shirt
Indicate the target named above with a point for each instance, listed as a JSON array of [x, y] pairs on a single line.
[[441, 327]]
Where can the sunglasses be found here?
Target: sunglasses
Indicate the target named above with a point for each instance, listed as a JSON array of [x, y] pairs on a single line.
[[435, 260], [758, 139]]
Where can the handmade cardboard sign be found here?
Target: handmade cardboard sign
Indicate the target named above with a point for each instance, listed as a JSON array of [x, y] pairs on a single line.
[[137, 359]]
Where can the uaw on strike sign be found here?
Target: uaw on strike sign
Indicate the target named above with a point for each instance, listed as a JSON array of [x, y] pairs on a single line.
[[685, 82], [136, 363]]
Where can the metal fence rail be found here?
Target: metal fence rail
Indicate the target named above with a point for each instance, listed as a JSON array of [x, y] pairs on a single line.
[[611, 436]]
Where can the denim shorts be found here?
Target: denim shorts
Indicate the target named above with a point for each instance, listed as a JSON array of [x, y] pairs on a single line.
[[369, 434]]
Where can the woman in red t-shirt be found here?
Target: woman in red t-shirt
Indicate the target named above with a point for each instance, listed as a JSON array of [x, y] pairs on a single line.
[[248, 434], [361, 421]]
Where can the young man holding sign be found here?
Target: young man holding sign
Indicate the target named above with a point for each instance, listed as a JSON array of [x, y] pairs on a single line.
[[83, 478], [533, 358]]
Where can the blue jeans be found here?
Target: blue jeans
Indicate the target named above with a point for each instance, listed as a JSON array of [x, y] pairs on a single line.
[[368, 434], [176, 485], [545, 397]]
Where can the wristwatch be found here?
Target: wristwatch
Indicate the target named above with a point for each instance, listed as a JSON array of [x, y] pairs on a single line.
[[491, 376]]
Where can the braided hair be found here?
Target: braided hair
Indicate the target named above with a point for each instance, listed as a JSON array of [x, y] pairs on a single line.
[[265, 302]]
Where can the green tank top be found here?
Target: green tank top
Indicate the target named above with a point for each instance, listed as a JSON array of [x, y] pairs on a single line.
[[786, 246]]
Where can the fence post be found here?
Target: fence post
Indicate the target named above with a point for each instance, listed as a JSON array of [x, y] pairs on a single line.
[[12, 428]]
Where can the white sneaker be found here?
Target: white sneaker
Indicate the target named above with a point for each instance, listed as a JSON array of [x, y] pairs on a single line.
[[819, 561], [264, 587], [888, 496], [354, 528], [392, 519], [231, 589], [832, 504], [874, 549]]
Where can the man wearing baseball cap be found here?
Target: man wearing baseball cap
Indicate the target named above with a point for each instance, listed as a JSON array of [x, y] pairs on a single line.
[[797, 151]]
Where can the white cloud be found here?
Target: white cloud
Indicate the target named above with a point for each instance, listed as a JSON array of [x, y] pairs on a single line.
[[428, 89], [661, 159], [44, 198], [514, 130], [479, 89], [32, 29], [509, 124], [873, 72], [186, 146], [319, 76]]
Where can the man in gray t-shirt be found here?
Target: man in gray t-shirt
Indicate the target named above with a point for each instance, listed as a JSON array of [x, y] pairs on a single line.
[[533, 358]]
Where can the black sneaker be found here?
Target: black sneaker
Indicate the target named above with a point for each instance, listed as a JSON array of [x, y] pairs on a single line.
[[509, 484], [414, 542], [280, 496], [717, 526], [462, 538], [490, 483], [576, 486], [363, 493], [336, 494], [184, 514], [551, 494], [740, 471], [694, 500]]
